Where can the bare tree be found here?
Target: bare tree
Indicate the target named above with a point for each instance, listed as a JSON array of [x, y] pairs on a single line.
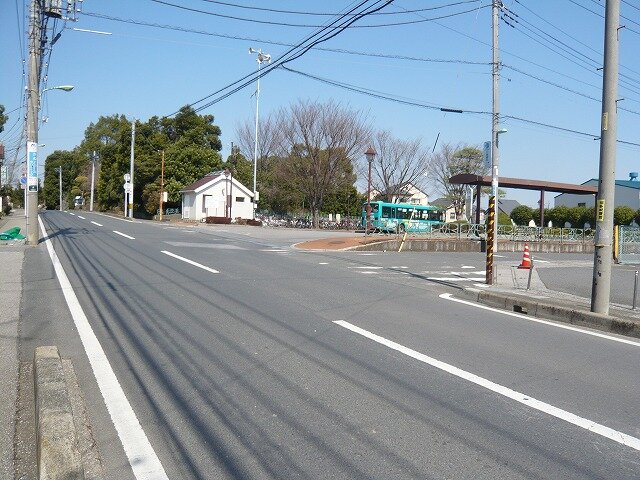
[[270, 139], [450, 161], [398, 165], [322, 139]]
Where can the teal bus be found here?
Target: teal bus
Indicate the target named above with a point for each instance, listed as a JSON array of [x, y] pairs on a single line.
[[401, 217]]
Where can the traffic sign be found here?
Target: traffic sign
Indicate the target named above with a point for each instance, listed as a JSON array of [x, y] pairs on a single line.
[[23, 180], [127, 187]]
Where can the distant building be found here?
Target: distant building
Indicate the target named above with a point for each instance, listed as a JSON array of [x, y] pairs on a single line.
[[449, 211], [208, 197], [627, 192], [404, 193]]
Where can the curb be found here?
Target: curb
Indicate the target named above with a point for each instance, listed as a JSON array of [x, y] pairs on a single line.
[[57, 455], [552, 311]]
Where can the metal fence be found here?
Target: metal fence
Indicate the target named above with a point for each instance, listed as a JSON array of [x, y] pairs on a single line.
[[628, 244]]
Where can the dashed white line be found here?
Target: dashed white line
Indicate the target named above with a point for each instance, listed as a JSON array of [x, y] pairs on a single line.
[[142, 458], [569, 417], [80, 216], [190, 262], [448, 296], [123, 235], [467, 266], [96, 223], [72, 214], [323, 263]]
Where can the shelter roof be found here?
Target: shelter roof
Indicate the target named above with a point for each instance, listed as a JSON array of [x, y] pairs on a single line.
[[524, 184]]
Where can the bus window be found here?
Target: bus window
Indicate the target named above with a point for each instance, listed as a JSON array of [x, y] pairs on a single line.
[[386, 212]]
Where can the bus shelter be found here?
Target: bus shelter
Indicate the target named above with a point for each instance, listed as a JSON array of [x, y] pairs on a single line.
[[479, 181]]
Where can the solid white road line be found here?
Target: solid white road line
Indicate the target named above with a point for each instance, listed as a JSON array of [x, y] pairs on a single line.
[[81, 217], [455, 279], [449, 296], [72, 214], [569, 417], [190, 262], [123, 235], [96, 223], [142, 458]]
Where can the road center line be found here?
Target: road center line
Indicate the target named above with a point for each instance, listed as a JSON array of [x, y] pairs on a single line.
[[448, 296], [72, 214], [142, 458], [124, 235], [569, 417], [190, 262], [96, 223], [81, 217]]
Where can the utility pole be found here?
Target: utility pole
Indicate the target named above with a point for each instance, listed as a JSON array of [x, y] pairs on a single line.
[[60, 185], [161, 184], [601, 286], [133, 143], [33, 98], [93, 178], [492, 227]]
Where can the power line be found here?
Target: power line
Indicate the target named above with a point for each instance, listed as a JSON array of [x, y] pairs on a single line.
[[325, 14], [274, 42], [428, 106], [323, 35], [284, 24]]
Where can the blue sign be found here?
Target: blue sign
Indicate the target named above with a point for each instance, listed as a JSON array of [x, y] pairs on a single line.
[[32, 160], [23, 180], [487, 155]]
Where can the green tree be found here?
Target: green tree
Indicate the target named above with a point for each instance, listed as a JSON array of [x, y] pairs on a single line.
[[3, 118], [71, 163], [623, 215], [241, 168], [522, 214]]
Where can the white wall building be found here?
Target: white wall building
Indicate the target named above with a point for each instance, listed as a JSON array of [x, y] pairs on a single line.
[[406, 193], [209, 197]]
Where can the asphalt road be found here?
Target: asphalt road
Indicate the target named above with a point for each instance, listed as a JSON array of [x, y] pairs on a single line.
[[240, 370]]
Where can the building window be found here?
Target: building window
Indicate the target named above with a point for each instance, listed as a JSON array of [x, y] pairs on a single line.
[[583, 204], [452, 216], [239, 199]]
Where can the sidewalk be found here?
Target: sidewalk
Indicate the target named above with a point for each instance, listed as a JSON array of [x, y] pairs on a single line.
[[510, 293], [11, 258]]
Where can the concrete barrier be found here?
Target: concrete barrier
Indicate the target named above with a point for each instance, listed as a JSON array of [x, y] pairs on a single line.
[[546, 308], [56, 443]]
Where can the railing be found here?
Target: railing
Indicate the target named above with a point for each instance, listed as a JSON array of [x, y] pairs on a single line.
[[462, 231]]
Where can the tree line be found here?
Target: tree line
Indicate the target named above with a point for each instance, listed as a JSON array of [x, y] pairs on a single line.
[[577, 217], [310, 160]]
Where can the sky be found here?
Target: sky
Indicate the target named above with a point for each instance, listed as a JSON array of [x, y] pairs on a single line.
[[159, 57]]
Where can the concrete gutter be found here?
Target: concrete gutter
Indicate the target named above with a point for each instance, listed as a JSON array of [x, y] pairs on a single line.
[[56, 443]]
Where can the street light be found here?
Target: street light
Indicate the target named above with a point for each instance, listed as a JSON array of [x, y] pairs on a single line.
[[370, 154], [260, 58], [33, 105]]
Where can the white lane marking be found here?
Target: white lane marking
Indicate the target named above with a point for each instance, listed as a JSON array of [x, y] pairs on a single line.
[[467, 266], [190, 262], [569, 417], [72, 214], [272, 250], [367, 272], [481, 285], [79, 216], [448, 296], [367, 254], [124, 235], [368, 268], [96, 223], [142, 458], [542, 261], [323, 263]]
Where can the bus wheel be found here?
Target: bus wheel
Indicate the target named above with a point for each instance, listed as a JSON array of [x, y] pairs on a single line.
[[401, 228]]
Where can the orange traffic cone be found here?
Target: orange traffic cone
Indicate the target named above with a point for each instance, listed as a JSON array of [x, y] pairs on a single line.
[[526, 260]]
